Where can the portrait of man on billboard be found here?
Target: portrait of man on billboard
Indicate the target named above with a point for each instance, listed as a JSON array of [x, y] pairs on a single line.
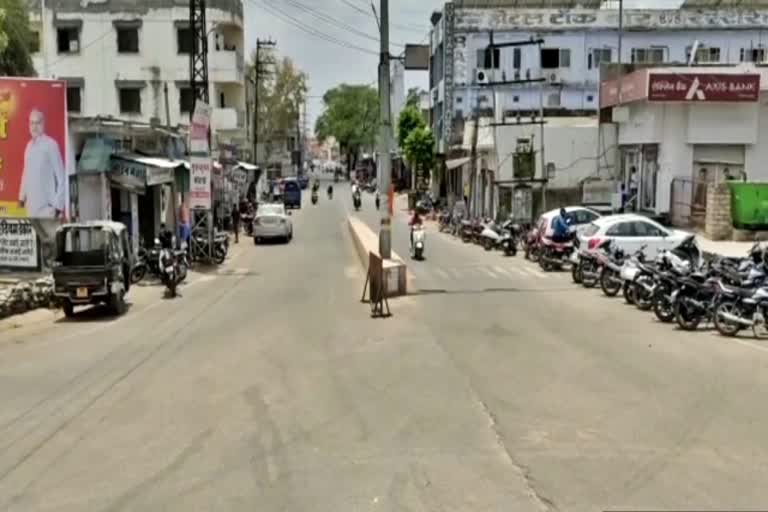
[[43, 183]]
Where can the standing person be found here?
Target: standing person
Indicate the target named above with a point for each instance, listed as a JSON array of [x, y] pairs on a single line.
[[43, 182], [236, 222]]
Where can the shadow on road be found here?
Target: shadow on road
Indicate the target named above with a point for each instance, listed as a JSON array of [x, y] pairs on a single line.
[[95, 314]]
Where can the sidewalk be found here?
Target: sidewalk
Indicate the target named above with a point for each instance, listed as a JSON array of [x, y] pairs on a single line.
[[724, 248]]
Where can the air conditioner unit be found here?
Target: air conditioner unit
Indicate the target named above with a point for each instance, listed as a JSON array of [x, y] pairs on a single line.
[[553, 78], [482, 76]]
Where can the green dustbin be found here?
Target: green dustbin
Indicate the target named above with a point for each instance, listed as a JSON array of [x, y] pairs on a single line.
[[749, 205]]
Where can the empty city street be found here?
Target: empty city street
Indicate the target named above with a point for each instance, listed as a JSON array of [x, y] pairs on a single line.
[[267, 386]]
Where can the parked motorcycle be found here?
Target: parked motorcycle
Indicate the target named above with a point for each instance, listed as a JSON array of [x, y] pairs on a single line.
[[555, 255]]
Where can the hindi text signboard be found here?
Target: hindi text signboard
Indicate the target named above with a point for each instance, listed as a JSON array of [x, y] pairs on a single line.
[[200, 182], [18, 244]]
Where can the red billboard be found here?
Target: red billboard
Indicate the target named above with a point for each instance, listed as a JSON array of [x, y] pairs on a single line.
[[703, 87], [634, 86], [33, 142]]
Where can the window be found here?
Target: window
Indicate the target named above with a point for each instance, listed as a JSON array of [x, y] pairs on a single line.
[[704, 55], [68, 40], [74, 98], [130, 100], [752, 55], [488, 58], [590, 98], [184, 40], [646, 229], [621, 229], [584, 216], [553, 58], [186, 100], [597, 57], [34, 41], [647, 55], [459, 99], [517, 58], [515, 99], [127, 40]]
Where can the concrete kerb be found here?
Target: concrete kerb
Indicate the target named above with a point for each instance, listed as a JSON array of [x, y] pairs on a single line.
[[366, 241]]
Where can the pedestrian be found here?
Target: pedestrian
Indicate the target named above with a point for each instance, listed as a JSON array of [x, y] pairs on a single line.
[[236, 222]]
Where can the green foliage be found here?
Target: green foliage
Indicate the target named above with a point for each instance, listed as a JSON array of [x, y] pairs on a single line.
[[419, 148], [410, 119], [412, 99], [282, 91], [16, 39], [351, 116]]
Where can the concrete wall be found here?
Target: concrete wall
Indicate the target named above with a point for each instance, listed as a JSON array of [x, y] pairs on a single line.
[[158, 62], [573, 148]]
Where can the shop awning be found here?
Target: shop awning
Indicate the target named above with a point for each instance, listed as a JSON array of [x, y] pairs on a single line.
[[456, 162], [157, 170]]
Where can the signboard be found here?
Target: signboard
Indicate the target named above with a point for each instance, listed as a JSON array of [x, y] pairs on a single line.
[[417, 57], [580, 19], [198, 130], [158, 175], [128, 174], [704, 87], [34, 182], [18, 244], [200, 182], [634, 86]]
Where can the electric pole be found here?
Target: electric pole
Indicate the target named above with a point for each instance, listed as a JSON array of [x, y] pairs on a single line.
[[385, 132], [259, 71]]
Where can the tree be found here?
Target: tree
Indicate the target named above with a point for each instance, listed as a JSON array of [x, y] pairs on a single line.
[[351, 116], [419, 150], [281, 96], [16, 39], [410, 119], [412, 99]]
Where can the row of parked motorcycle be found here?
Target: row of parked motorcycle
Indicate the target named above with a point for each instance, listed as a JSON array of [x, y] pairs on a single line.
[[681, 285], [171, 266], [504, 236]]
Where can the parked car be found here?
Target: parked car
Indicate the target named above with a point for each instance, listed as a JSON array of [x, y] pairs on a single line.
[[272, 221], [291, 193], [92, 265], [630, 232], [579, 216]]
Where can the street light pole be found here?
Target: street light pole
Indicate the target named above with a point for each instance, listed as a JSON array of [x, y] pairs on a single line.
[[385, 131]]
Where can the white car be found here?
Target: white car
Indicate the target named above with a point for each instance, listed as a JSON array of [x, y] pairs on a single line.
[[630, 232], [272, 221], [580, 216]]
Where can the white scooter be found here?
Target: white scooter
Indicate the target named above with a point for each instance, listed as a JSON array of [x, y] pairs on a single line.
[[418, 238]]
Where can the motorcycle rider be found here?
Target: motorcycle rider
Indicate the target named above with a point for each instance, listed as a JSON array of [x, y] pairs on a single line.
[[165, 237], [560, 229], [330, 190], [378, 199], [415, 220]]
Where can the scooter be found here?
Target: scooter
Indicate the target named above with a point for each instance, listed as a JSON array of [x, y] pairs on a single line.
[[357, 201], [169, 270], [418, 238], [314, 197]]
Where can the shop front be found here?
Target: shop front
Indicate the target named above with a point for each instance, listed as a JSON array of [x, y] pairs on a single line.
[[682, 128]]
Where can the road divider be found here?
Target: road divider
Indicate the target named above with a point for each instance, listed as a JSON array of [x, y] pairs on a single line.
[[396, 273]]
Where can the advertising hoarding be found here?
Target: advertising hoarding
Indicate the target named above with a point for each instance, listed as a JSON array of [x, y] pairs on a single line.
[[33, 144]]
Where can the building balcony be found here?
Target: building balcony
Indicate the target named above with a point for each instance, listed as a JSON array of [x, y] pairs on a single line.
[[226, 66], [227, 119]]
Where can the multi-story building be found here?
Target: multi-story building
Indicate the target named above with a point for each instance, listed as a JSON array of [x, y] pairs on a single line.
[[576, 38], [131, 60]]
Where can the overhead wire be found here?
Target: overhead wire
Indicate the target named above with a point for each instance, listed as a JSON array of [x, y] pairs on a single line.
[[400, 26]]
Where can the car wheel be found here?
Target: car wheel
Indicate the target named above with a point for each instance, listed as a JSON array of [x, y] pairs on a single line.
[[117, 303], [69, 309], [256, 240]]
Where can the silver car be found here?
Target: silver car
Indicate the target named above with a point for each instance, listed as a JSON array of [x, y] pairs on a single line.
[[272, 221]]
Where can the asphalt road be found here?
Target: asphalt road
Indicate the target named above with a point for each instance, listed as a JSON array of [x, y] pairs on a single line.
[[266, 386]]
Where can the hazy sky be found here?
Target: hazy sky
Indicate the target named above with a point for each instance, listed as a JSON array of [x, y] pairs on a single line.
[[348, 21]]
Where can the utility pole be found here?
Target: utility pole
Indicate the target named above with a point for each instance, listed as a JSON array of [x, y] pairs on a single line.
[[260, 43], [472, 206], [385, 132]]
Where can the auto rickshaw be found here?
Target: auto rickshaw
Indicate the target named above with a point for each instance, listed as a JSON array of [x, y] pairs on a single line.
[[92, 265]]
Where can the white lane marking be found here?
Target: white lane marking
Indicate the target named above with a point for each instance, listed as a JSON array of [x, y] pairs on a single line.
[[541, 274], [489, 272], [518, 271], [456, 273], [502, 271], [442, 273]]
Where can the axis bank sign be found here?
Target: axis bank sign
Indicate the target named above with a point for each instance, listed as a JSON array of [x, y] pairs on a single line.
[[696, 87]]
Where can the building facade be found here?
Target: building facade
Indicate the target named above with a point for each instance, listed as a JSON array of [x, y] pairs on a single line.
[[570, 44], [131, 60]]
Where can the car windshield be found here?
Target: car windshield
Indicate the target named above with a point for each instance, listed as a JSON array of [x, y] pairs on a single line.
[[591, 229], [271, 209]]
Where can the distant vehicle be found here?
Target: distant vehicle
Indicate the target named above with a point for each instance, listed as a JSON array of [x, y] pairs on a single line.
[[631, 232], [272, 221], [92, 265], [291, 193]]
